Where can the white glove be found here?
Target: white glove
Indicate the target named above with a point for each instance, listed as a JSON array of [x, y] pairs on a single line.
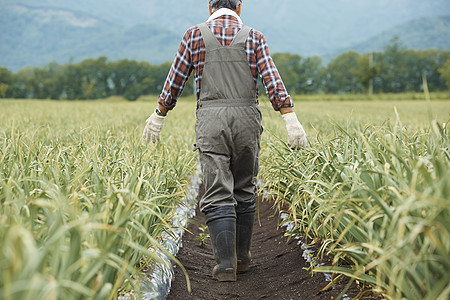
[[295, 131], [153, 128]]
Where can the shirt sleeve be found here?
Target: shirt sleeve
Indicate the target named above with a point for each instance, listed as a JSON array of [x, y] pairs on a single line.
[[178, 74], [271, 79]]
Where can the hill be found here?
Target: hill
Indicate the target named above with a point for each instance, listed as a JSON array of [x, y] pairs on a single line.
[[422, 33], [39, 35], [34, 33]]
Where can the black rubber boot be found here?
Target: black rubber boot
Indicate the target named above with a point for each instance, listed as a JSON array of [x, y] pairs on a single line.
[[223, 237], [244, 230]]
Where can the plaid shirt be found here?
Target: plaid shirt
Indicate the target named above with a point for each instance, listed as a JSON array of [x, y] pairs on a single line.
[[191, 56]]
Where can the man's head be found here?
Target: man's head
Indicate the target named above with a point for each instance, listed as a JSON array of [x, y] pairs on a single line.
[[234, 5]]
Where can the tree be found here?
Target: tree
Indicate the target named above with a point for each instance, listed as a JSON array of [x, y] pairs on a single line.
[[93, 80], [340, 77], [288, 66], [310, 75], [88, 87], [401, 70], [299, 75], [3, 89], [445, 73], [393, 68], [365, 71], [6, 79]]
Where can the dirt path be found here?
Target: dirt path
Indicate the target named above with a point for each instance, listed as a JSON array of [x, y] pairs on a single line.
[[275, 273]]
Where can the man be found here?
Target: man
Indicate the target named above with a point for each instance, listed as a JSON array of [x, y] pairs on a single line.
[[227, 57]]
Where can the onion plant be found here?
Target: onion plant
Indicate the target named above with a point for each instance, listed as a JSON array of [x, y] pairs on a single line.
[[376, 198], [82, 197]]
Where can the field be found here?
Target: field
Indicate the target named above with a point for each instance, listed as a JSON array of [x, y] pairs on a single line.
[[83, 197], [373, 191]]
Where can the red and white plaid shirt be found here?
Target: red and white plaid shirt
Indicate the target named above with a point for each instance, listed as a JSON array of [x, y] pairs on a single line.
[[191, 56]]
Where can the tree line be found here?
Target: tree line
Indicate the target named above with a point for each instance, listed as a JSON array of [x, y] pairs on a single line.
[[393, 70], [89, 79]]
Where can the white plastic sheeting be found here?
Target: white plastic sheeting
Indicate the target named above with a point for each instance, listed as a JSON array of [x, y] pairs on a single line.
[[308, 254], [157, 282]]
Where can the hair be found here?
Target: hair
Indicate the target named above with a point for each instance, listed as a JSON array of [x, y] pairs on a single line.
[[231, 4]]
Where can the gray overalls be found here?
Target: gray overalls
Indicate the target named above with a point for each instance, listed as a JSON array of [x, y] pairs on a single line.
[[228, 128]]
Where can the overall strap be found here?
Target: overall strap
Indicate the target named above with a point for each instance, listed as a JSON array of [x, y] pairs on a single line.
[[212, 42], [208, 37], [241, 36]]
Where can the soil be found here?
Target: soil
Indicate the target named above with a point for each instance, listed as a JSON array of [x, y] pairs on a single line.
[[276, 271]]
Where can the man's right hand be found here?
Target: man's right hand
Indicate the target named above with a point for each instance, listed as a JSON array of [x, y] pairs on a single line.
[[153, 128], [295, 131]]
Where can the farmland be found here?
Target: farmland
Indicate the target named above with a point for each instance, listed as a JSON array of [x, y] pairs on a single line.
[[83, 196], [372, 191]]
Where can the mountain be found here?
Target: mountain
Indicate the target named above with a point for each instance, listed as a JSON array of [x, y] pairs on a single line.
[[422, 33], [39, 35], [36, 32]]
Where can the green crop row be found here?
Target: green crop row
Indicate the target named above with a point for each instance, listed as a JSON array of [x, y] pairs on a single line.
[[374, 197], [83, 199]]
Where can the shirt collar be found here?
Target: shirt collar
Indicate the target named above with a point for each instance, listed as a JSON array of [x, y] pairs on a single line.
[[224, 11]]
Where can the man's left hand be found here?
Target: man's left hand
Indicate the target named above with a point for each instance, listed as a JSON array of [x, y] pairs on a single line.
[[295, 131]]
